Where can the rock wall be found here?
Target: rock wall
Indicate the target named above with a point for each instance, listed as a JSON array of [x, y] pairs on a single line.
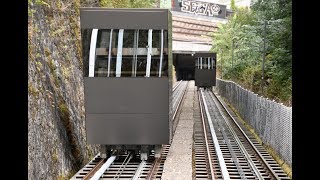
[[57, 146]]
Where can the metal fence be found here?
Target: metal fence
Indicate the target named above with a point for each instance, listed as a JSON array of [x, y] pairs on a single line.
[[271, 121]]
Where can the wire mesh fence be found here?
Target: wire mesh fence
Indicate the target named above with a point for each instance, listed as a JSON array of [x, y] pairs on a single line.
[[272, 121]]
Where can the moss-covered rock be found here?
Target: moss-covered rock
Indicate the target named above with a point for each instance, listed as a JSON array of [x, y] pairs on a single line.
[[57, 146]]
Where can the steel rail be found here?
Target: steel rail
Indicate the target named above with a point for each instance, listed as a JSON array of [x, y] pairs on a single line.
[[221, 125], [206, 139], [240, 144], [123, 166], [94, 170], [177, 85], [247, 138], [150, 174], [103, 168], [225, 173], [179, 102], [139, 170]]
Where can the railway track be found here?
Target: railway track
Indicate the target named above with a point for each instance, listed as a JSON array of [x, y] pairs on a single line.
[[204, 155], [224, 149], [128, 166], [177, 97]]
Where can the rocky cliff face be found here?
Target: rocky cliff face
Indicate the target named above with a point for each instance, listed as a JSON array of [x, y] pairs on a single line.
[[57, 145]]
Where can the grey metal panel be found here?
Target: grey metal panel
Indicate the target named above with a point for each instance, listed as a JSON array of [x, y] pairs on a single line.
[[127, 129], [205, 77], [105, 18], [126, 95], [205, 54]]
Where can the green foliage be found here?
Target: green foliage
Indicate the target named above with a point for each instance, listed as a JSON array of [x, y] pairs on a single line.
[[67, 176], [32, 90], [127, 3], [233, 5], [66, 72], [42, 2], [54, 157], [64, 111], [30, 11], [244, 35], [64, 115]]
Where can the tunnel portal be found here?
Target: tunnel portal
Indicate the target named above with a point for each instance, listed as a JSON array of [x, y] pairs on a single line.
[[184, 65]]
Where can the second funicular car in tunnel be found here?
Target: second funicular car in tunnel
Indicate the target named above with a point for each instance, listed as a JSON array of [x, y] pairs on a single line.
[[205, 69]]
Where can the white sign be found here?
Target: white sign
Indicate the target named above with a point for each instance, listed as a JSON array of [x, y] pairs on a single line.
[[200, 8]]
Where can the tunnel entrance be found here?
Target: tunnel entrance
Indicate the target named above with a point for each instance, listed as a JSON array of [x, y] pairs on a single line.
[[184, 65]]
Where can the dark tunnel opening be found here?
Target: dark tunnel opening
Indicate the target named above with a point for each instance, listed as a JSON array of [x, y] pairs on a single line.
[[185, 74], [184, 66]]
